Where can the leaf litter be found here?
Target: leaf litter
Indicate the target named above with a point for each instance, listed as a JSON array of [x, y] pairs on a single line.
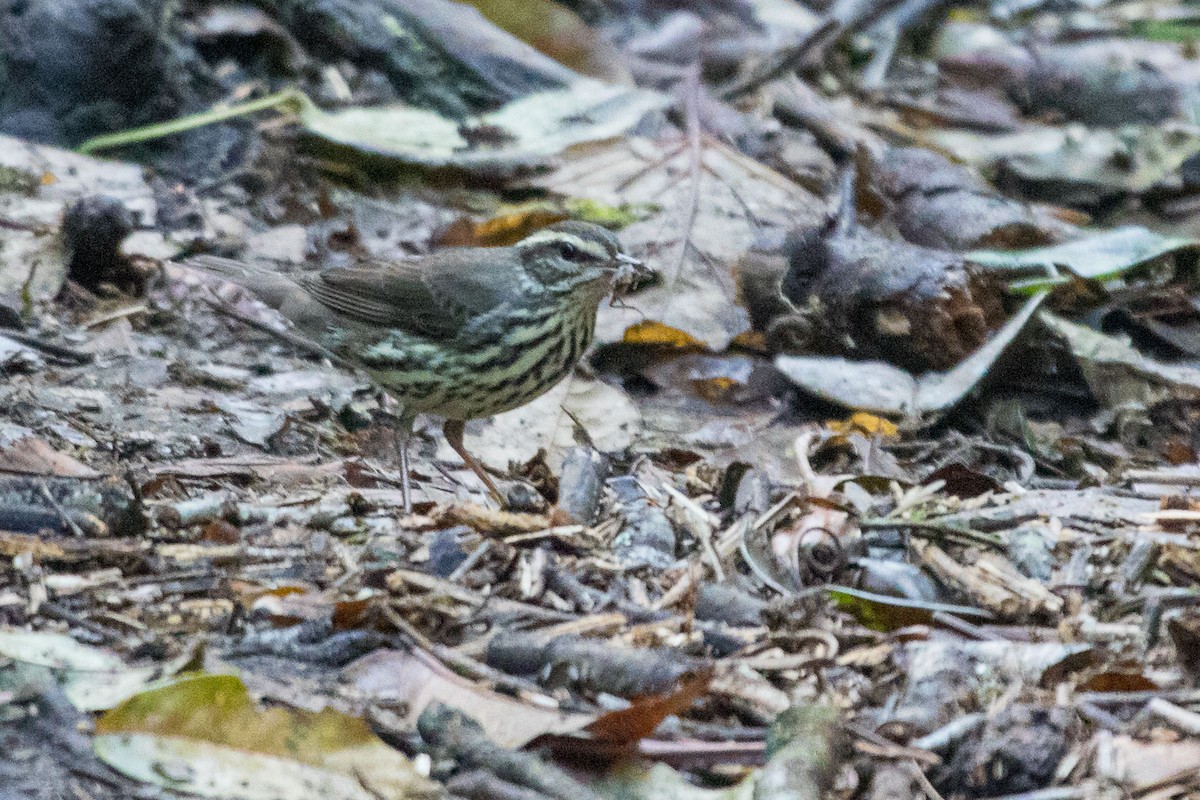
[[882, 484]]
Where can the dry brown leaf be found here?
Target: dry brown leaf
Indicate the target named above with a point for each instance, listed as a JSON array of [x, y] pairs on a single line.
[[713, 205], [418, 679], [35, 457], [640, 720]]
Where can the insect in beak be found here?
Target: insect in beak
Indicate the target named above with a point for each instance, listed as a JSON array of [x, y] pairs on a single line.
[[629, 271]]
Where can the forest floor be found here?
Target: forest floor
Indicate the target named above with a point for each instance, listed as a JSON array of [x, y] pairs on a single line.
[[885, 483]]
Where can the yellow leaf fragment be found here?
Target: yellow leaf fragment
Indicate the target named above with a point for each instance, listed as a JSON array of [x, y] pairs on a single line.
[[656, 334], [864, 423]]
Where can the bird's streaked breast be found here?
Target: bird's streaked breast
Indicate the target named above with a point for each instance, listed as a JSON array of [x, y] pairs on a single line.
[[538, 349]]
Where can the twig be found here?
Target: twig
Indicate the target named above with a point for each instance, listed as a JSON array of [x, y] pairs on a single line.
[[287, 100], [691, 576], [470, 561], [786, 60], [874, 76], [702, 527], [951, 732], [120, 313], [596, 623], [844, 18], [55, 350], [649, 169], [926, 786], [62, 512], [761, 573], [691, 103], [1187, 776], [1161, 477], [1183, 719], [935, 530], [846, 218], [456, 661], [403, 577]]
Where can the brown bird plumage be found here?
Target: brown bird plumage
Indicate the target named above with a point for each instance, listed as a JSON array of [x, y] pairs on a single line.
[[462, 333]]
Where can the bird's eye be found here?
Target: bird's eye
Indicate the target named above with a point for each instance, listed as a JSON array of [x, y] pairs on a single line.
[[568, 251]]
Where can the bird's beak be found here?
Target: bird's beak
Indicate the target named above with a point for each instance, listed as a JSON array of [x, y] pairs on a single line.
[[630, 267], [629, 273]]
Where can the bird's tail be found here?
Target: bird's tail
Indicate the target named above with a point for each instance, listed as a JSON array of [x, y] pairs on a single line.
[[272, 287]]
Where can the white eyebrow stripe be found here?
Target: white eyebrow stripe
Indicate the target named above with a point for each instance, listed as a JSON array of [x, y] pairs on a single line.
[[594, 249]]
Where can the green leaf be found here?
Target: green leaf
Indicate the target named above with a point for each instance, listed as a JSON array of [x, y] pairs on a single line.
[[883, 613], [204, 735], [1167, 30]]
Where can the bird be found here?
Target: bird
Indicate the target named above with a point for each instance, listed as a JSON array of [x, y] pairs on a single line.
[[461, 333]]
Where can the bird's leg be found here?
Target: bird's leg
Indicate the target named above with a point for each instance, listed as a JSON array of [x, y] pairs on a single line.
[[453, 431], [403, 433]]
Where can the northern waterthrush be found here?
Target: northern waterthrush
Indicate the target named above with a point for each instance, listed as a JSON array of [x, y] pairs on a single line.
[[462, 333]]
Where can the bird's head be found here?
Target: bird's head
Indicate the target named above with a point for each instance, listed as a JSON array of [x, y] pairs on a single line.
[[569, 256]]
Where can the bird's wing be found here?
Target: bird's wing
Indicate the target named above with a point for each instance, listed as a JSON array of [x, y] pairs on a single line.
[[431, 299], [270, 286]]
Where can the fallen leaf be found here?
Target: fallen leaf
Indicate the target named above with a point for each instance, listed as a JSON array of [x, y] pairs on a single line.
[[881, 388], [645, 714], [605, 415], [713, 204], [655, 334], [204, 735], [861, 422], [558, 32], [883, 613], [1116, 373], [32, 456], [522, 134], [93, 679], [1098, 256], [418, 680]]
